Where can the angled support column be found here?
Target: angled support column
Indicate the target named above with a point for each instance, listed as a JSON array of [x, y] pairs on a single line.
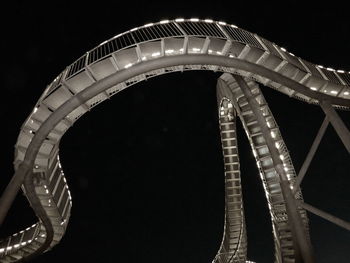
[[337, 123], [331, 218], [311, 154], [11, 191], [300, 238]]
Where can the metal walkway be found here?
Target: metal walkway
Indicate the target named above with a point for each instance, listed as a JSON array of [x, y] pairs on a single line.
[[165, 47]]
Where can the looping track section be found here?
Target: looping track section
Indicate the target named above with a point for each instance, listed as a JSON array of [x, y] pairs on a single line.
[[232, 104], [145, 52]]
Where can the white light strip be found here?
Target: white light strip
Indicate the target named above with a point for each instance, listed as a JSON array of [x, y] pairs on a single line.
[[116, 36], [65, 207], [155, 54], [169, 51], [273, 135], [104, 42], [179, 20]]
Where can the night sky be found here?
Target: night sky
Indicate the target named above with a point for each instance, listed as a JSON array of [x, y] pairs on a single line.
[[145, 168]]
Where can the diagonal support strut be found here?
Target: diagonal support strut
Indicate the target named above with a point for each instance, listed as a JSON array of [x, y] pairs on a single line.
[[310, 155], [337, 123], [331, 218]]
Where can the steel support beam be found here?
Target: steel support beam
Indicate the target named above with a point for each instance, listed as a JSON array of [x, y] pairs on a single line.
[[331, 218], [337, 123], [310, 155], [11, 190], [301, 241]]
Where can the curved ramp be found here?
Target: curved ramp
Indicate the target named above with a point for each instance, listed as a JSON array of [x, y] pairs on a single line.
[[122, 61]]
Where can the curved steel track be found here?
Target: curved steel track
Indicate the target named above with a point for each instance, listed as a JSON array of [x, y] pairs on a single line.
[[149, 51]]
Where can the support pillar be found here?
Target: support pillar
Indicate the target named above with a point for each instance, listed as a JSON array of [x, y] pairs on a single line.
[[337, 123], [311, 154], [11, 191]]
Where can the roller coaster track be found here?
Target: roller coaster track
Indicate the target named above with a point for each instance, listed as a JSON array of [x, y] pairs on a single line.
[[171, 46]]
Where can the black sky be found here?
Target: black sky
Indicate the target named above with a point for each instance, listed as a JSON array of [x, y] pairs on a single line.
[[145, 168]]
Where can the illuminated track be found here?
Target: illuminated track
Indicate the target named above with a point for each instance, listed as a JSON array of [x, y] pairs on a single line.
[[233, 102], [152, 50]]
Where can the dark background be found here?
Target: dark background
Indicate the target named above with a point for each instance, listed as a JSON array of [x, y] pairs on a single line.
[[145, 168]]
